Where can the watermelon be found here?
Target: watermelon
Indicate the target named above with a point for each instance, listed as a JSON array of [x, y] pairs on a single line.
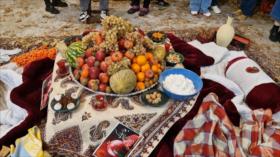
[[73, 51]]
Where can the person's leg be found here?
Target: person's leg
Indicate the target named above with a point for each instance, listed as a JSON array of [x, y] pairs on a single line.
[[145, 10], [195, 5], [103, 5], [84, 7], [205, 4], [214, 3], [146, 3], [275, 14], [248, 6], [50, 8], [135, 6]]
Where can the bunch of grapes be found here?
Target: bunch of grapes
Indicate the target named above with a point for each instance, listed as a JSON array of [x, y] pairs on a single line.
[[111, 41], [117, 24]]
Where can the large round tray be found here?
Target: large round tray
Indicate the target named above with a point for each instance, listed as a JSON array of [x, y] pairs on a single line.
[[110, 94]]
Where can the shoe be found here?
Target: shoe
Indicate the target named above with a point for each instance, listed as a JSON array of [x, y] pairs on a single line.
[[194, 12], [84, 16], [133, 9], [163, 3], [216, 9], [103, 14], [274, 34], [51, 9], [207, 14], [59, 3], [143, 11]]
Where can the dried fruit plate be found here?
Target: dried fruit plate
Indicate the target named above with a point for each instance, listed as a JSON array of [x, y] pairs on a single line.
[[155, 39]]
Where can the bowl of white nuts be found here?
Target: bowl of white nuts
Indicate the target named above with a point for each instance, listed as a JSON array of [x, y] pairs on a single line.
[[154, 98]]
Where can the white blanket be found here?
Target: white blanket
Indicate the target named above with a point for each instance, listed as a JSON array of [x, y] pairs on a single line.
[[216, 73], [12, 115]]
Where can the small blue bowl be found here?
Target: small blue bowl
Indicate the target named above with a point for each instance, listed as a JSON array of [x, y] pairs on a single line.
[[197, 81]]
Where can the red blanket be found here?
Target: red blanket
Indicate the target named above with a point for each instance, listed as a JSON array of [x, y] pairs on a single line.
[[28, 96], [210, 133]]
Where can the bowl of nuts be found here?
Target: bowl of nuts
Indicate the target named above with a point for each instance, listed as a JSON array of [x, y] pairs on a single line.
[[154, 98]]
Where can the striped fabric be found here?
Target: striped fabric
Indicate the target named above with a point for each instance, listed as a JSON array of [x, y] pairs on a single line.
[[211, 133]]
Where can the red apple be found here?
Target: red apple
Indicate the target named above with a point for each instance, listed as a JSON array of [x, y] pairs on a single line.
[[104, 78], [85, 66], [89, 52], [100, 55], [149, 74], [80, 62], [104, 66], [90, 61], [94, 73], [102, 87], [77, 74]]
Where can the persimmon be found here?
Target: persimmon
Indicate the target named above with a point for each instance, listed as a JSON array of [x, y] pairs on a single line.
[[145, 67], [141, 60], [140, 76], [155, 68], [135, 67], [117, 56], [140, 86]]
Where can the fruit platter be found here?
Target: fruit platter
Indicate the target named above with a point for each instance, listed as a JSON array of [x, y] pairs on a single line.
[[117, 60]]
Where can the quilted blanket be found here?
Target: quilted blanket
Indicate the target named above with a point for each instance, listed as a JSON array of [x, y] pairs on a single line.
[[211, 133]]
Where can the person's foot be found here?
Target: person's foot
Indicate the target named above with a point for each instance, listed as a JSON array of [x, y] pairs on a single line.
[[133, 9], [84, 16], [51, 9], [216, 9], [207, 14], [103, 14], [194, 12], [143, 11], [162, 3], [59, 3], [241, 17], [274, 34]]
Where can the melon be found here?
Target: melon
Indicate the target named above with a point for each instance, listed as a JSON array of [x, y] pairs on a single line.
[[123, 82]]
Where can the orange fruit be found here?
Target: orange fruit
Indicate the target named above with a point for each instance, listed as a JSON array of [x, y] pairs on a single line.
[[135, 67], [140, 76], [145, 67], [140, 85], [149, 56], [155, 68], [141, 60]]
